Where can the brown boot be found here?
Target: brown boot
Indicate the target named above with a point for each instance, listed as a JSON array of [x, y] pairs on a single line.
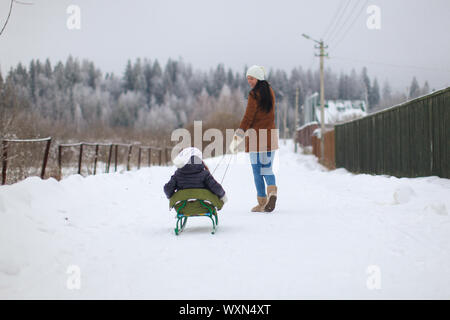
[[271, 198], [261, 203]]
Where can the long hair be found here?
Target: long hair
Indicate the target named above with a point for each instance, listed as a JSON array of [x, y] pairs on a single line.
[[262, 93]]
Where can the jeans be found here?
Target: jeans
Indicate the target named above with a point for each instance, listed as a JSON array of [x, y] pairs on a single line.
[[262, 170]]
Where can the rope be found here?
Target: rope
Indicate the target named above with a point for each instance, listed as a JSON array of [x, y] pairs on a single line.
[[226, 170], [218, 163]]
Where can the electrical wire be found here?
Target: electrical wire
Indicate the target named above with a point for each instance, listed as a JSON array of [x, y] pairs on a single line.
[[389, 64], [337, 42], [345, 22], [333, 20], [339, 21]]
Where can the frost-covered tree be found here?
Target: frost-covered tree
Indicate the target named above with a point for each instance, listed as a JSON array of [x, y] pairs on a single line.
[[426, 88], [374, 94], [414, 89]]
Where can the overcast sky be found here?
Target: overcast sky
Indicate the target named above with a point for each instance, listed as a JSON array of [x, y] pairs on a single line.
[[414, 39]]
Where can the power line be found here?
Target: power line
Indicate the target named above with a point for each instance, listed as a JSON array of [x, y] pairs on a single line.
[[344, 23], [333, 20], [340, 20], [389, 64], [337, 42], [21, 2]]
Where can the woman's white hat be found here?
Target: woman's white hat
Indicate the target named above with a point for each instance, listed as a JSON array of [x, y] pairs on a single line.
[[257, 72], [185, 155]]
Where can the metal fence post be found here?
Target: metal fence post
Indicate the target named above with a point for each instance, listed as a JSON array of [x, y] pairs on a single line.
[[44, 165], [149, 156], [129, 157], [80, 158], [4, 160], [115, 158], [60, 162], [109, 158], [139, 158], [95, 159]]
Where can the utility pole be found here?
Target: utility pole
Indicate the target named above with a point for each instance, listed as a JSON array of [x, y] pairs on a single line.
[[322, 54]]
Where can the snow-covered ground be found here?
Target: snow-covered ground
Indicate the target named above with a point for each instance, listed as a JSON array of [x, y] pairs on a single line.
[[333, 235]]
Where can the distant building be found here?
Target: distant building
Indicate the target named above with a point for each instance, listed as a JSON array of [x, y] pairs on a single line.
[[336, 111]]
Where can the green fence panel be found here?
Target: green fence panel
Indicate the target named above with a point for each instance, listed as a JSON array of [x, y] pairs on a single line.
[[408, 140]]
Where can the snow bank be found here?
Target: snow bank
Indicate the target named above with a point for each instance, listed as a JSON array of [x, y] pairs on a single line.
[[329, 230]]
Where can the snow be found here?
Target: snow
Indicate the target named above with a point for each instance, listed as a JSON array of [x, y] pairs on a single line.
[[341, 111], [333, 235]]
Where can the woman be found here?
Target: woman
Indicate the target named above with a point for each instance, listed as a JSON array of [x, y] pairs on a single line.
[[261, 137]]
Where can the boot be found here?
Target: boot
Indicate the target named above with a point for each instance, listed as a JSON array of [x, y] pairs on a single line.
[[271, 198], [261, 203]]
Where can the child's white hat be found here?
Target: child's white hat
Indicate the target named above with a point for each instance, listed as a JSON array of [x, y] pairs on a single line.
[[185, 155]]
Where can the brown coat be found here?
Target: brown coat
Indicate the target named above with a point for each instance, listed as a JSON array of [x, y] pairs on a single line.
[[262, 138]]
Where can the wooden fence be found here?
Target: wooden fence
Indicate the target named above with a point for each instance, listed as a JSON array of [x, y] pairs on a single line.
[[304, 134], [408, 140], [4, 154], [329, 149], [112, 150]]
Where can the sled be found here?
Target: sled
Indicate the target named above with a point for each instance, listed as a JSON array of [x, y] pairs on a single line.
[[195, 203]]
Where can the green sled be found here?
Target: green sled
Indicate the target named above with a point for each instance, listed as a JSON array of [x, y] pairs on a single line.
[[195, 203]]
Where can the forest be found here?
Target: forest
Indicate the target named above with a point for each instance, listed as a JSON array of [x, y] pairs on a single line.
[[75, 99]]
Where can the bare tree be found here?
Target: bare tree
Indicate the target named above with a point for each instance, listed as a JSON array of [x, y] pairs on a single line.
[[10, 10]]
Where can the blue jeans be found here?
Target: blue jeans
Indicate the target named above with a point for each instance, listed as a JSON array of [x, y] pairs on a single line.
[[262, 170]]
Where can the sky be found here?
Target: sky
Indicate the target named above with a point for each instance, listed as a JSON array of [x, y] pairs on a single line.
[[412, 38]]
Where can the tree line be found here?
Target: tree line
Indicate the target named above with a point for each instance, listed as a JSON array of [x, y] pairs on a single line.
[[149, 95]]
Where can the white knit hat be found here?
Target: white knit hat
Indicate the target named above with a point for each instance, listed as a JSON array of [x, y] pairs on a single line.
[[257, 72], [185, 155]]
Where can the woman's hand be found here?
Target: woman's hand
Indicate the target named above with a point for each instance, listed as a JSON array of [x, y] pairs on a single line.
[[235, 143]]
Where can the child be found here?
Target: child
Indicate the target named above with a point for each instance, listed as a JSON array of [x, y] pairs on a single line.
[[192, 173]]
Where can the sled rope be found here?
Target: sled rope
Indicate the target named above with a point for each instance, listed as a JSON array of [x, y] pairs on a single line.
[[226, 169], [218, 164]]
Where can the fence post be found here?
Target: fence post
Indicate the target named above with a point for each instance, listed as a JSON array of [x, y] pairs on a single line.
[[60, 162], [109, 158], [129, 157], [47, 150], [160, 156], [115, 158], [95, 159], [149, 156], [4, 160], [139, 158], [80, 158]]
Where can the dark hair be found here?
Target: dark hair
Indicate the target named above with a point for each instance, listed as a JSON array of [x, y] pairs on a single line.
[[262, 93]]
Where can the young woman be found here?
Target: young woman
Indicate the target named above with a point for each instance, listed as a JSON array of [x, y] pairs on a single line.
[[261, 137]]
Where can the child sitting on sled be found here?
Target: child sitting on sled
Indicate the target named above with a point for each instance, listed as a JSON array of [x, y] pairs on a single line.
[[192, 173]]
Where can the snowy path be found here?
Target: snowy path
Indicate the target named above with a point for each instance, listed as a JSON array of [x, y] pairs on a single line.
[[328, 228]]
